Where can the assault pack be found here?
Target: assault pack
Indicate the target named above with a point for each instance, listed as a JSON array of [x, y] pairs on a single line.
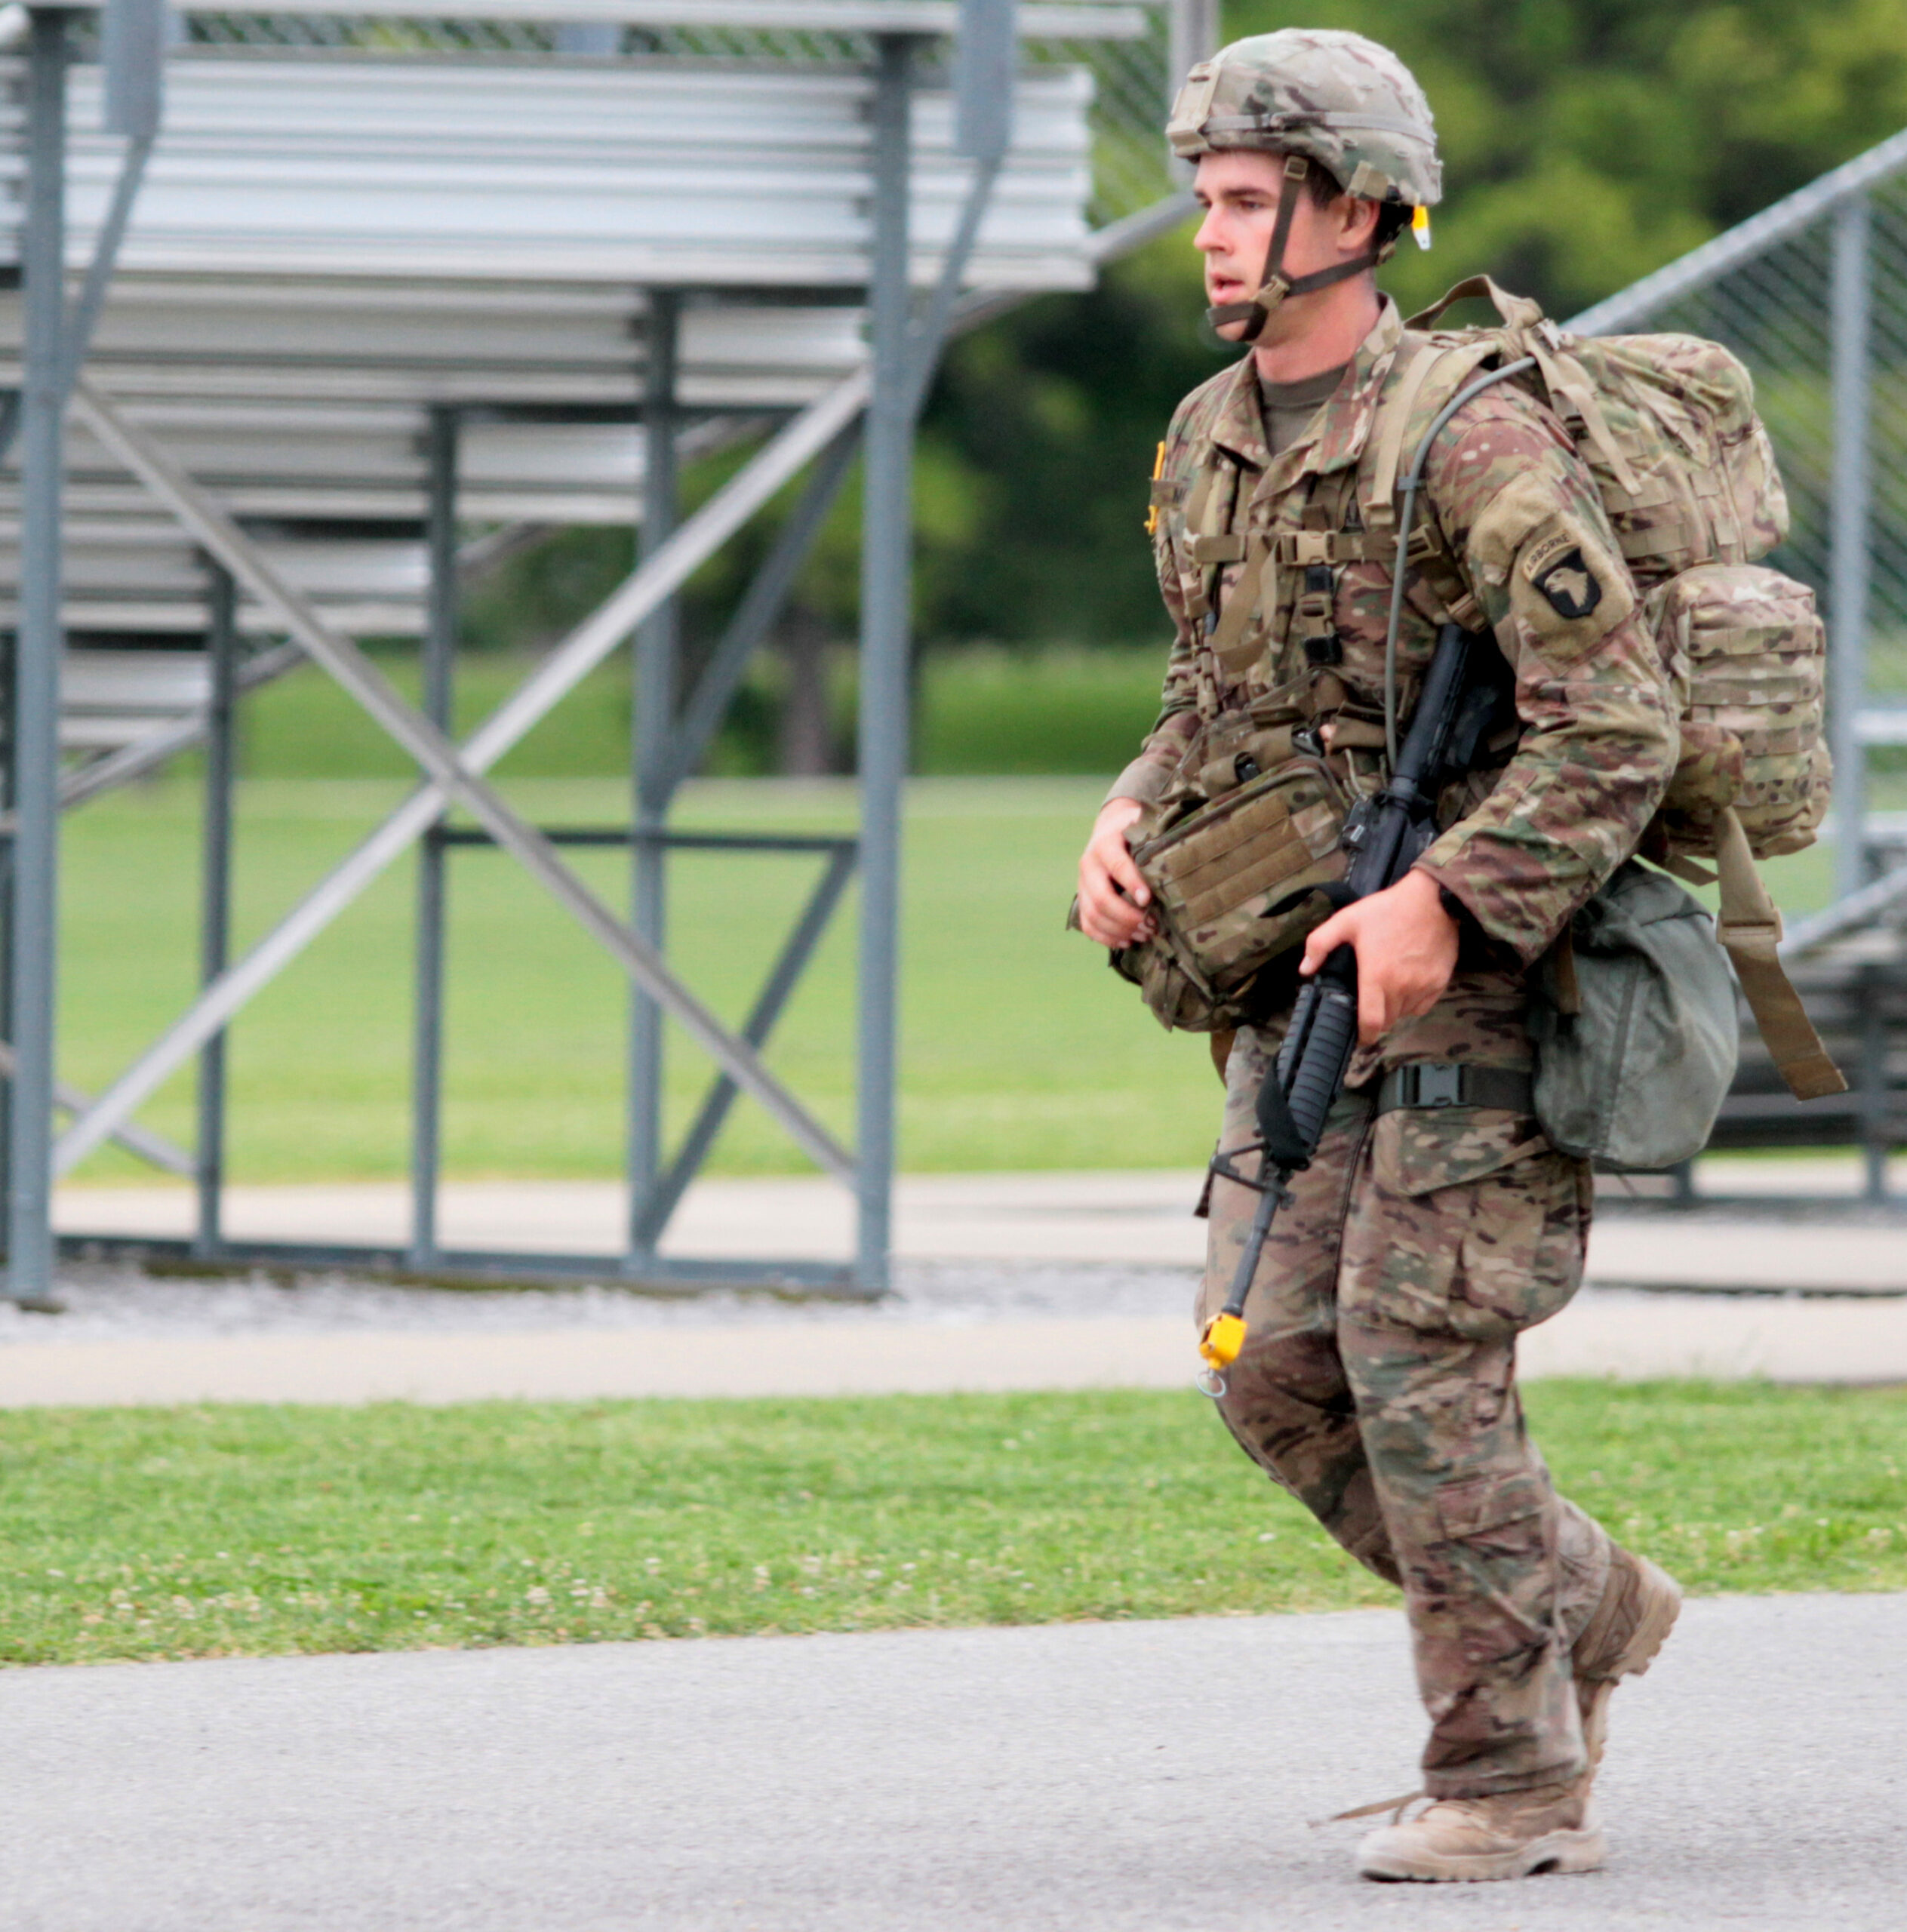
[[1667, 427]]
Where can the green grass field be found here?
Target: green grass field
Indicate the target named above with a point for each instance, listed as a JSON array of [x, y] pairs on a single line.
[[1020, 1050], [218, 1531]]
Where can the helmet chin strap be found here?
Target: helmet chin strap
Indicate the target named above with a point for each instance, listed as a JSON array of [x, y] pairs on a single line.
[[1275, 285]]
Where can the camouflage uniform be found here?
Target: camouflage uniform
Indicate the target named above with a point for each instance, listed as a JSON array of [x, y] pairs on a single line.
[[1377, 1382]]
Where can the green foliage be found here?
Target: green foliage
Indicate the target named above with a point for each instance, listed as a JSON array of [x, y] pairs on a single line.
[[1057, 410], [988, 710], [1586, 143], [223, 1531]]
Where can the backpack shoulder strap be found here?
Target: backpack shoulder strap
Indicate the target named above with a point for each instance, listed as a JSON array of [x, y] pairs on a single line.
[[1420, 358]]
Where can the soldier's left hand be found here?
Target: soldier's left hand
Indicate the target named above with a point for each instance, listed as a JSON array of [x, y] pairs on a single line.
[[1406, 945]]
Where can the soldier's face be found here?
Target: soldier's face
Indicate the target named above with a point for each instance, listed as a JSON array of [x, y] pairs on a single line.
[[1239, 191]]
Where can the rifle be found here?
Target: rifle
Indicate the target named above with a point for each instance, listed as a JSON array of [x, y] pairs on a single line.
[[1386, 834]]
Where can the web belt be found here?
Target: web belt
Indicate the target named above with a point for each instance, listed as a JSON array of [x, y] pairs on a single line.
[[1445, 1083]]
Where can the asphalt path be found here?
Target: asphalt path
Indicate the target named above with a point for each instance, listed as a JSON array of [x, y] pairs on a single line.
[[1153, 1776]]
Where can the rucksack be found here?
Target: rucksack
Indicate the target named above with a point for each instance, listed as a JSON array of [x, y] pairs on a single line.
[[1667, 427]]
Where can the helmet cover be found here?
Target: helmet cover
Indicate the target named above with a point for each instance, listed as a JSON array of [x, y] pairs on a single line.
[[1336, 98]]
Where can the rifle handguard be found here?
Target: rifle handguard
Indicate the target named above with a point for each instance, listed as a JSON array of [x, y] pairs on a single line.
[[1299, 1091]]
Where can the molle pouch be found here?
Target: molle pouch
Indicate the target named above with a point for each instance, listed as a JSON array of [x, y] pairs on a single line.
[[1749, 660], [1232, 856]]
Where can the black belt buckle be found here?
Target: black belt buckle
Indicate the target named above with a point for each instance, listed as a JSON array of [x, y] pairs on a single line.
[[1431, 1084]]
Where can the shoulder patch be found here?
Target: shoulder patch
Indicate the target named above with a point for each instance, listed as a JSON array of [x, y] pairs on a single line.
[[1566, 579]]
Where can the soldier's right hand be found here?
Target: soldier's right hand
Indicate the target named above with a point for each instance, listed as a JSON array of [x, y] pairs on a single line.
[[1112, 896]]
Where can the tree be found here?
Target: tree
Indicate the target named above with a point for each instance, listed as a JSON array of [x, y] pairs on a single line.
[[1586, 143]]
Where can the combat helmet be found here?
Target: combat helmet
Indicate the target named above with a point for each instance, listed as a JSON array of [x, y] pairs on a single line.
[[1322, 98]]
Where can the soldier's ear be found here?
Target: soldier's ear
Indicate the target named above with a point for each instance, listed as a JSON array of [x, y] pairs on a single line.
[[1357, 222]]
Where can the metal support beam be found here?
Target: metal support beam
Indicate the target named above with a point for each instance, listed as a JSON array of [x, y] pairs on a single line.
[[761, 605], [657, 643], [653, 1213], [215, 895], [106, 253], [1850, 542], [452, 776], [36, 671], [1195, 37], [904, 357], [887, 553], [439, 661], [930, 337], [77, 332], [1874, 1094], [9, 690]]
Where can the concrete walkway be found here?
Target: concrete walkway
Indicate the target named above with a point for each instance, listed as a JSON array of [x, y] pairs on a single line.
[[1088, 1778], [1008, 1281], [1142, 1218], [1624, 1335]]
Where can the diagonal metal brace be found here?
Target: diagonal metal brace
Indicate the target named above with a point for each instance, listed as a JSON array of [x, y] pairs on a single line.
[[148, 1145], [440, 760], [164, 742], [84, 317], [760, 605], [665, 1194], [585, 647]]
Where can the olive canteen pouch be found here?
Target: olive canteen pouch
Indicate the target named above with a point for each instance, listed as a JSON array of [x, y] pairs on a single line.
[[1635, 1026]]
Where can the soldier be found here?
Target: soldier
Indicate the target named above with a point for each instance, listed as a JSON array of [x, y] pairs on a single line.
[[1377, 1384]]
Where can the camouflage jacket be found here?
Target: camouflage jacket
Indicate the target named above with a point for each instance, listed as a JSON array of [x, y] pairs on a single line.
[[1277, 572]]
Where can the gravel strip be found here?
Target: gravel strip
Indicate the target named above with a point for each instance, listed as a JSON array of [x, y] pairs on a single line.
[[105, 1300]]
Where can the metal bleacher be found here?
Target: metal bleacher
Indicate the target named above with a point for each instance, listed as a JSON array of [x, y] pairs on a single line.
[[353, 299], [326, 246]]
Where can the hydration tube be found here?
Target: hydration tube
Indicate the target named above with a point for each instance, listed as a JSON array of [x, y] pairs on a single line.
[[1412, 482]]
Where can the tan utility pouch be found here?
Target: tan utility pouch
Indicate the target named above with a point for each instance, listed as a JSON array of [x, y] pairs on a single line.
[[1745, 652], [1232, 853], [1748, 658]]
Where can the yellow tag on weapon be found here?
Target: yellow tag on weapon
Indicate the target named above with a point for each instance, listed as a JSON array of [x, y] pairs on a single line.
[[1224, 1336]]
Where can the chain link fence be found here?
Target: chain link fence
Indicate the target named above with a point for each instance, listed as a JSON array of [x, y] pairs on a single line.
[[1132, 78], [1812, 294]]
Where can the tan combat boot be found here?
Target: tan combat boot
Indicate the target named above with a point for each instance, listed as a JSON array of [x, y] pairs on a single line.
[[1512, 1834], [1630, 1623]]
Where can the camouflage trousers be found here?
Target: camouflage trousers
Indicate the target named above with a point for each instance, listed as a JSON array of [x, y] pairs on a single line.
[[1377, 1384]]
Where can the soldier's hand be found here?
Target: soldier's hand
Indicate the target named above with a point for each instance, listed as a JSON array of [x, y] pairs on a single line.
[[1112, 896], [1406, 945]]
